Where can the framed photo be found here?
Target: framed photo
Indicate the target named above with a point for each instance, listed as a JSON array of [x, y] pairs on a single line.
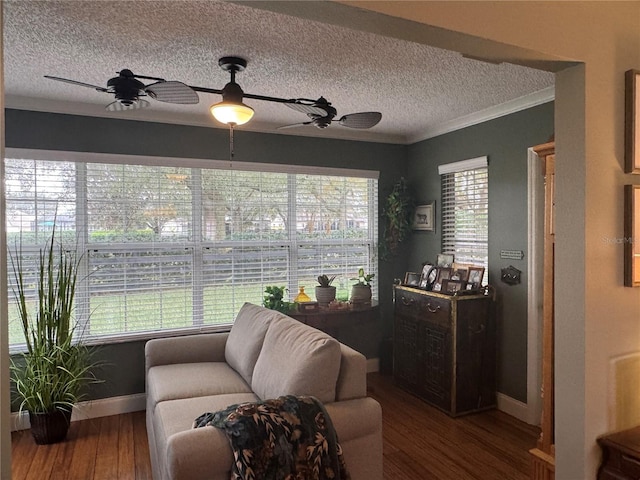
[[632, 235], [475, 276], [632, 121], [412, 279], [445, 260], [453, 286], [459, 273], [428, 277], [423, 218], [444, 273]]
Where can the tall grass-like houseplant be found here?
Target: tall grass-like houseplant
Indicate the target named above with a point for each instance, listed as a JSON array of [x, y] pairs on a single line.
[[50, 375]]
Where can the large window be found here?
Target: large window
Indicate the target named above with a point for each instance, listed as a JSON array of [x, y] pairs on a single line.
[[167, 247], [465, 211]]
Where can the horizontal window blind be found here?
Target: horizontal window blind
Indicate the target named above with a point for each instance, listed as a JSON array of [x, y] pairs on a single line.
[[167, 247], [465, 215]]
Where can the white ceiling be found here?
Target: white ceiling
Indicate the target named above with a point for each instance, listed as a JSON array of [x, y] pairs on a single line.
[[420, 90]]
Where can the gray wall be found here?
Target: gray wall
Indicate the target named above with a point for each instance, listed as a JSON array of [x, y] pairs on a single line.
[[505, 141], [123, 371]]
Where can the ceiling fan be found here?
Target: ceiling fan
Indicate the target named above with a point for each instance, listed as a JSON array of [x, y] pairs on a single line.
[[322, 114], [127, 89]]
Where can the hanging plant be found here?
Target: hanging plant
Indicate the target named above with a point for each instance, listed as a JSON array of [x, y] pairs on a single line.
[[397, 215]]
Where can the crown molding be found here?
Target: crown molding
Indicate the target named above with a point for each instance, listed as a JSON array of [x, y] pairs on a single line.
[[522, 103]]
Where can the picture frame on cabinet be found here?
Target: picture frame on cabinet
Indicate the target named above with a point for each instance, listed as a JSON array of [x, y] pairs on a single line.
[[475, 276], [424, 218], [444, 273], [632, 121], [453, 286], [412, 279], [445, 260]]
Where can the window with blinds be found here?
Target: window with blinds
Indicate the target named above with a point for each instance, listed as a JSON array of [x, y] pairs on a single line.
[[167, 248], [465, 211]]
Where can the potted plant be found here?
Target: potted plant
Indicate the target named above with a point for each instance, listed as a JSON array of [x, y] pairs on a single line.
[[50, 376], [361, 290], [325, 292], [397, 213], [274, 299]]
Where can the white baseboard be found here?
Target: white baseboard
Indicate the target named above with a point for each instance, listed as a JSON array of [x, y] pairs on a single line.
[[103, 407], [373, 365], [513, 407]]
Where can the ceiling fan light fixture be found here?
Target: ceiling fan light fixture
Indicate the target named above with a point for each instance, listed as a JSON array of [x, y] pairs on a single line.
[[231, 112]]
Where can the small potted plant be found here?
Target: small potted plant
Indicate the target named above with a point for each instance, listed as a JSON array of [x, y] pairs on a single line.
[[361, 290], [325, 292], [274, 299]]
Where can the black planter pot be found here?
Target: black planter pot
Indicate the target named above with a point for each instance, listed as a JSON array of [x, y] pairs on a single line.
[[50, 427]]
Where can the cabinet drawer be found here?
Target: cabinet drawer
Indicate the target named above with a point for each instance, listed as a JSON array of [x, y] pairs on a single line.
[[435, 310], [407, 304]]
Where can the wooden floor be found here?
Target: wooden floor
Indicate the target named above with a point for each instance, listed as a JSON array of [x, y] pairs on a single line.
[[420, 443]]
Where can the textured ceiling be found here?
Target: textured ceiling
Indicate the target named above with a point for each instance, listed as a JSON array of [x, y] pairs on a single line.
[[416, 87]]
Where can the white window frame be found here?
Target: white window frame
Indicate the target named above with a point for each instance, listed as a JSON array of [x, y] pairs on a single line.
[[83, 158]]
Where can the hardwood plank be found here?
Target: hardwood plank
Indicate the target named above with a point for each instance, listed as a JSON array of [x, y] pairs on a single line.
[[60, 469], [106, 467], [126, 461], [43, 461], [141, 447], [23, 447], [83, 461]]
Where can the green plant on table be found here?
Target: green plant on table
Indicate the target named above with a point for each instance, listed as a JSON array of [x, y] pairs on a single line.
[[274, 299], [363, 279], [325, 281]]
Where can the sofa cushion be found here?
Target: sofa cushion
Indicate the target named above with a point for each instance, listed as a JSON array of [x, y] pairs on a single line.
[[296, 360], [189, 452], [246, 337], [185, 380]]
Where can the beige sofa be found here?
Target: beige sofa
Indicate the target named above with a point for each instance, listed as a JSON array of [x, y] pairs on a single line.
[[265, 355]]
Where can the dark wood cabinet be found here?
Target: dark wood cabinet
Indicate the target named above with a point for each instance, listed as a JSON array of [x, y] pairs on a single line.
[[445, 349], [620, 455], [357, 327]]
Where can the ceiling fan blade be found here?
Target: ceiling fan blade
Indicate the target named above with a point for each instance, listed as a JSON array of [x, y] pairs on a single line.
[[75, 82], [361, 120], [284, 127], [308, 109], [119, 107], [172, 92]]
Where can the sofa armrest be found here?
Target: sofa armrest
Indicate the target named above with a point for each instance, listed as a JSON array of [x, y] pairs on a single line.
[[352, 381], [206, 347]]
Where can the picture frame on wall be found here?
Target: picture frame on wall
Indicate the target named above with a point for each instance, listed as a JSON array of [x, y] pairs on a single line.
[[424, 218], [631, 234], [632, 121]]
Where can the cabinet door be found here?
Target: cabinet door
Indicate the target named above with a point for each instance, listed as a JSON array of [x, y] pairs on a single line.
[[435, 364], [405, 348]]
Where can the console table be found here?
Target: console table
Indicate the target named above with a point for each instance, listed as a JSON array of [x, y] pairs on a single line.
[[444, 349], [357, 327], [620, 455]]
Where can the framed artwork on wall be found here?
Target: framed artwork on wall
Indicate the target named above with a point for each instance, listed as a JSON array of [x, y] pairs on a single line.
[[631, 235], [632, 121], [424, 218]]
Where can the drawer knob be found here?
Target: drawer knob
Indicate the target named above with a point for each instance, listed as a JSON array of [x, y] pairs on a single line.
[[431, 309]]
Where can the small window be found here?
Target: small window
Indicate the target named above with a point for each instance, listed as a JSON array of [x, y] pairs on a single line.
[[465, 211]]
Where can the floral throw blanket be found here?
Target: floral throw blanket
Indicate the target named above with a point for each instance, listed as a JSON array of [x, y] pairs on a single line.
[[287, 438]]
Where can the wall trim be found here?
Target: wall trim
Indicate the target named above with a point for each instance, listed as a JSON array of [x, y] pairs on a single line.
[[103, 407], [512, 407], [528, 101], [535, 243]]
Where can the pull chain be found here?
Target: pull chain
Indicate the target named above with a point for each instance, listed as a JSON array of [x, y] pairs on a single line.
[[231, 152]]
